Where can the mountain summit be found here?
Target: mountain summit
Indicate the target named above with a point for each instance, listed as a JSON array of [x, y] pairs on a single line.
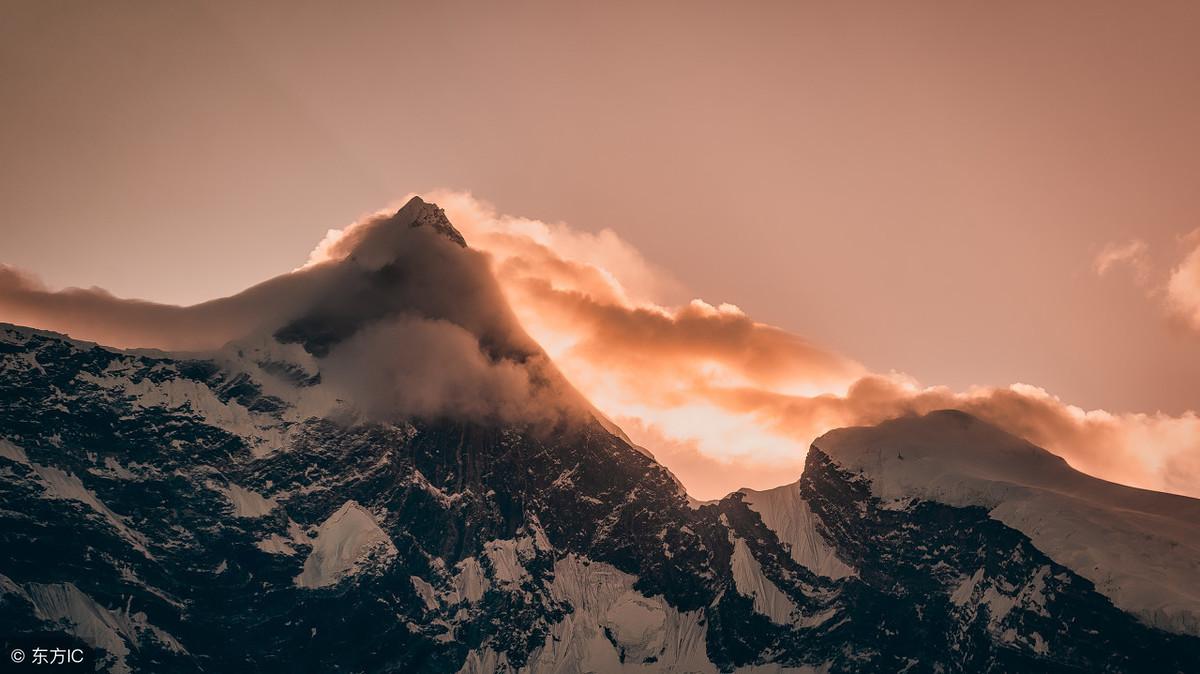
[[379, 471], [431, 215]]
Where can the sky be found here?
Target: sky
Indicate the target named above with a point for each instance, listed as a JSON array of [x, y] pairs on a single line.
[[960, 196]]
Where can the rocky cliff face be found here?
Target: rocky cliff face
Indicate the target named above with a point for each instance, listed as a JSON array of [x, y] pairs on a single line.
[[175, 515]]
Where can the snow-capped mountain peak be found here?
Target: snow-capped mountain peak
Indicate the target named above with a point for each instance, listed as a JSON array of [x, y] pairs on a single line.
[[1140, 548]]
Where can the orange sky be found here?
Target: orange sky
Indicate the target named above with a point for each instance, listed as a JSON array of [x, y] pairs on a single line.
[[972, 195]]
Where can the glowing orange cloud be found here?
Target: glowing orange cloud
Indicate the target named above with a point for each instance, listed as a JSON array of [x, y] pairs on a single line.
[[1178, 293], [727, 402]]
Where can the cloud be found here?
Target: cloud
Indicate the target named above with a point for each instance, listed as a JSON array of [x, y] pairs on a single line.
[[403, 319], [1183, 286], [1152, 451], [1178, 293], [706, 476], [95, 314], [410, 367], [1134, 253], [593, 297], [726, 401]]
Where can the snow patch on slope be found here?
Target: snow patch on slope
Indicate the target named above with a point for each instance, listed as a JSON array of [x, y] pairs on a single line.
[[263, 433], [245, 503], [469, 582], [487, 661], [8, 586], [114, 470], [418, 479], [965, 589], [784, 511], [113, 630], [12, 452], [86, 619], [61, 485], [276, 545], [425, 591], [346, 542], [1140, 548], [772, 668], [505, 556], [283, 371], [610, 619], [748, 577]]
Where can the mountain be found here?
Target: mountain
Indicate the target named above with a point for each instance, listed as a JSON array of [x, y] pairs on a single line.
[[383, 473]]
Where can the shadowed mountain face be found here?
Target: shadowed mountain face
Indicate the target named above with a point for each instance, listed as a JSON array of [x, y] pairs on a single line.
[[332, 495]]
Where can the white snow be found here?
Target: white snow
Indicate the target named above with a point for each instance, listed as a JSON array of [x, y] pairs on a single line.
[[130, 576], [966, 588], [88, 620], [540, 541], [276, 545], [162, 636], [976, 591], [263, 433], [565, 479], [23, 361], [1140, 548], [784, 511], [636, 621], [425, 591], [1039, 644], [506, 564], [487, 661], [245, 503], [603, 599], [303, 402], [65, 486], [113, 468], [748, 577], [12, 452], [470, 582], [344, 543], [780, 669], [1033, 595], [419, 480], [8, 586], [112, 630]]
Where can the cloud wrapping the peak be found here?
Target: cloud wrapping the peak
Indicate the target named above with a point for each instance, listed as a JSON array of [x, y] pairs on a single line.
[[403, 319], [97, 315], [411, 367]]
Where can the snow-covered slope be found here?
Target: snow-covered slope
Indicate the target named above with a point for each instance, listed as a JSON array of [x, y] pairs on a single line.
[[344, 543], [612, 628], [1140, 548], [786, 513], [750, 582]]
